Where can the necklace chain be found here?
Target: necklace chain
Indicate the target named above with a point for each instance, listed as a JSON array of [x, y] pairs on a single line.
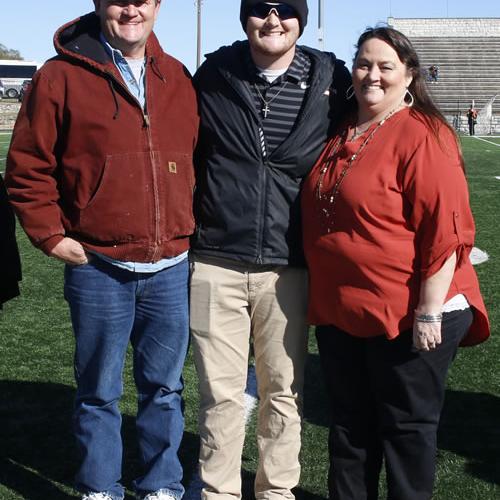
[[358, 133], [265, 108], [330, 198]]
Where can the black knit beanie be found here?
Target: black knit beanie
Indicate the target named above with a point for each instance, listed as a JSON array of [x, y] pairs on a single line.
[[300, 7]]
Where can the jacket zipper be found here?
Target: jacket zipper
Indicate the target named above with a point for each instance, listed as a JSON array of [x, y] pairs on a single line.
[[264, 165], [263, 185], [146, 124], [156, 197], [156, 242], [313, 96]]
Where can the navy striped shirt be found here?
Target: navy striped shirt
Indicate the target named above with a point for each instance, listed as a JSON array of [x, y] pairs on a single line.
[[284, 98]]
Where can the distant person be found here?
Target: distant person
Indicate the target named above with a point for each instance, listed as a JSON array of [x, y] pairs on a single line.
[[100, 173], [10, 263], [388, 231], [266, 106], [472, 119], [433, 73]]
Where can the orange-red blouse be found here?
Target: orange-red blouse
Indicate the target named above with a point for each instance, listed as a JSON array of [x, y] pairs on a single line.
[[402, 209]]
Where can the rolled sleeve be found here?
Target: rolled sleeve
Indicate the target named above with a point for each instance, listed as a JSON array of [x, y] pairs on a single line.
[[436, 188]]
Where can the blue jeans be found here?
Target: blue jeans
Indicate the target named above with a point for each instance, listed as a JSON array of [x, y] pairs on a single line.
[[110, 306]]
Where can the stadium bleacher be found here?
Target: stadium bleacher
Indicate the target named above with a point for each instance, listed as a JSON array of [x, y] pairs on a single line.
[[469, 66]]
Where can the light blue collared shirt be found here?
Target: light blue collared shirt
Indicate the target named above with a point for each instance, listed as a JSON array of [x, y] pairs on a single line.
[[138, 89]]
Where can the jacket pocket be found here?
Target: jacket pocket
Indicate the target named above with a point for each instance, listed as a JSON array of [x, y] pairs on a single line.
[[176, 186], [120, 207]]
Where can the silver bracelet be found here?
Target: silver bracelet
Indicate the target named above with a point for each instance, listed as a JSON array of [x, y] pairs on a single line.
[[428, 318]]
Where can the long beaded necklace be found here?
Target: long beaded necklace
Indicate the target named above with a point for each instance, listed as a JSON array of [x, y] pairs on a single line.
[[330, 198]]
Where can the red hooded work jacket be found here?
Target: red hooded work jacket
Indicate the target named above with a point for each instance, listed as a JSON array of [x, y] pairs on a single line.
[[87, 162]]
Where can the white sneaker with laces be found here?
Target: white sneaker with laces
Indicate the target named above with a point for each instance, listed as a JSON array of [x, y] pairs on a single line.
[[96, 496], [160, 495]]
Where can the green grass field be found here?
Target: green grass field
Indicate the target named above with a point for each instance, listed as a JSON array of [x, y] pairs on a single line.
[[36, 382]]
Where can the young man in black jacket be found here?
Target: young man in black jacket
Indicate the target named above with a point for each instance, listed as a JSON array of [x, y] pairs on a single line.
[[266, 107]]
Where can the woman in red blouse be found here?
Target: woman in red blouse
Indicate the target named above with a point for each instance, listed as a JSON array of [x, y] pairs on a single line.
[[387, 233]]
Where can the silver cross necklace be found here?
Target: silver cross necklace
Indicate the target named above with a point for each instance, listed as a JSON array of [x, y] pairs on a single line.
[[265, 103]]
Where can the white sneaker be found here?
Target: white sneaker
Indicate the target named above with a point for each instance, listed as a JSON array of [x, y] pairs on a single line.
[[160, 495], [96, 496]]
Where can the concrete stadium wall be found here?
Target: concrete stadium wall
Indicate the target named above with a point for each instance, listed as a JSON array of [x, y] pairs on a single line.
[[447, 27]]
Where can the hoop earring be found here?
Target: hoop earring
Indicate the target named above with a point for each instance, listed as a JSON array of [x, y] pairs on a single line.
[[412, 100], [349, 92]]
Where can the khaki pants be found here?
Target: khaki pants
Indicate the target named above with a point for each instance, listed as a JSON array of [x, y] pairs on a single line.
[[231, 301]]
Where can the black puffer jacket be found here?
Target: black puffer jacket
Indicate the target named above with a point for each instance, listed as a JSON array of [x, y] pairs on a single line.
[[247, 206]]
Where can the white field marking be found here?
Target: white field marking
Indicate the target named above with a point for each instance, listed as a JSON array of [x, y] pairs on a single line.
[[497, 177], [489, 142], [477, 256], [193, 491], [251, 398], [5, 133]]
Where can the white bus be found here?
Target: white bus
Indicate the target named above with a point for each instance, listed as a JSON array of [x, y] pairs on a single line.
[[14, 72]]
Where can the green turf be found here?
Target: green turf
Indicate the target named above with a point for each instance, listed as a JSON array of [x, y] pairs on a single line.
[[36, 383]]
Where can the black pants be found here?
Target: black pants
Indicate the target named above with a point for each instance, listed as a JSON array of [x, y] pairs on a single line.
[[386, 400], [472, 124]]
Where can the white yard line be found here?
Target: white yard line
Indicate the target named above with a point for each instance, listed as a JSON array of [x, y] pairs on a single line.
[[489, 142], [193, 491]]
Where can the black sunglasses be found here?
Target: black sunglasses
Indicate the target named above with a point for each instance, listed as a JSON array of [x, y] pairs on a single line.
[[282, 10]]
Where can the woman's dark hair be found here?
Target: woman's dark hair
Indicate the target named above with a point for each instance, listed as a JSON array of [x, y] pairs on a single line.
[[423, 106]]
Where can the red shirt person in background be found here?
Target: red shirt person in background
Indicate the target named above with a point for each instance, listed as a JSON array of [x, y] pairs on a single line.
[[472, 119], [387, 232]]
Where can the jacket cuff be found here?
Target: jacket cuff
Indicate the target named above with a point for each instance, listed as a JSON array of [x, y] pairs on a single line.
[[47, 245]]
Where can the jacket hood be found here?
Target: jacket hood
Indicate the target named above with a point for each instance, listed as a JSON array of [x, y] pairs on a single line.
[[230, 62], [230, 57], [79, 39]]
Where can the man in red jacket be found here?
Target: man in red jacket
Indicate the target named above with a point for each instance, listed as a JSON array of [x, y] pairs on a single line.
[[100, 174]]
